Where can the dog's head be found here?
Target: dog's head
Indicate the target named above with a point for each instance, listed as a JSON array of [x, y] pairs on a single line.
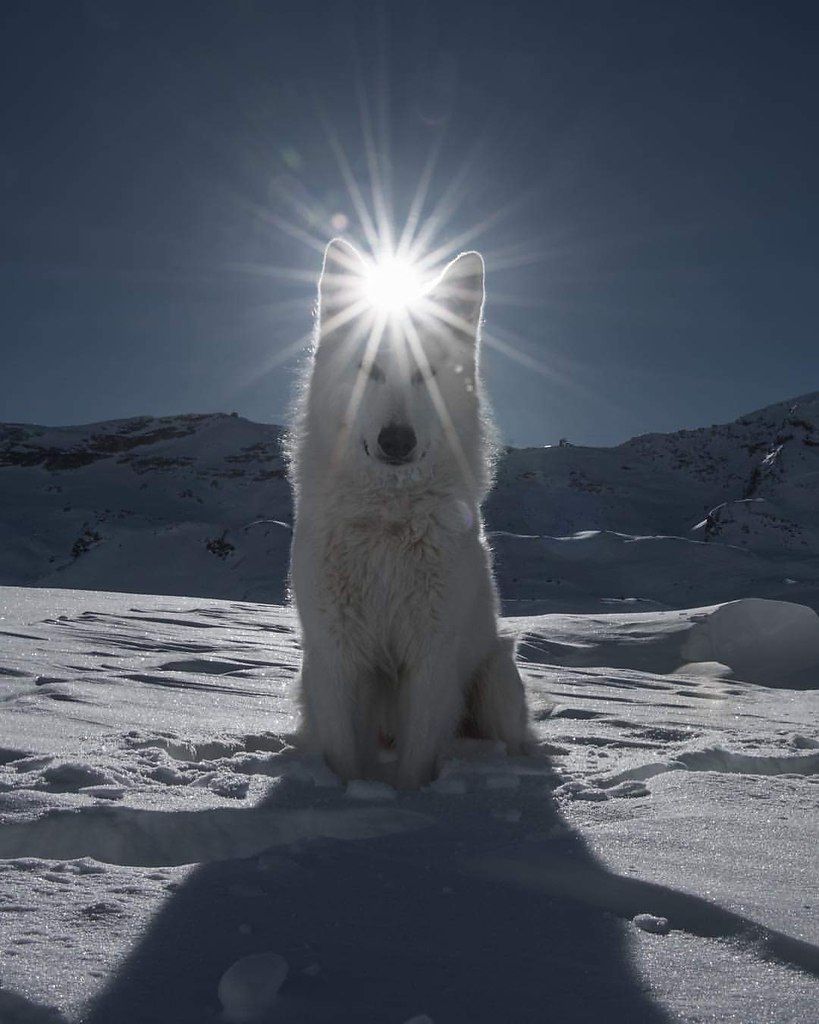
[[395, 390]]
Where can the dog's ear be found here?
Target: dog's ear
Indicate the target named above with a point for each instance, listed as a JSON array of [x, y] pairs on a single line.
[[457, 296], [339, 286]]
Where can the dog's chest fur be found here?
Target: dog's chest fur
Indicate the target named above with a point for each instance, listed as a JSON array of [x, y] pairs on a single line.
[[384, 571]]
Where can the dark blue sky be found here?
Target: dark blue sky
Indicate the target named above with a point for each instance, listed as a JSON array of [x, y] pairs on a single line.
[[646, 172]]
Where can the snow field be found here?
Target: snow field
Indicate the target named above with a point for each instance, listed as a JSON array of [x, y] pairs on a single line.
[[167, 854]]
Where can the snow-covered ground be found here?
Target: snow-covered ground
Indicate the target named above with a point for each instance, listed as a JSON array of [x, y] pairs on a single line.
[[166, 855]]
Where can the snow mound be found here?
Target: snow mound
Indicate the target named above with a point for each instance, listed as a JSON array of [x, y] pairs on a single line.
[[248, 989], [771, 643], [768, 642], [138, 837], [650, 923]]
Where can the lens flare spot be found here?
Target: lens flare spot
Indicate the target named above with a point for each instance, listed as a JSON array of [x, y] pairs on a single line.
[[392, 285]]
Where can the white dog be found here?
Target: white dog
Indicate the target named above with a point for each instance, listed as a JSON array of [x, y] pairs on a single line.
[[391, 457]]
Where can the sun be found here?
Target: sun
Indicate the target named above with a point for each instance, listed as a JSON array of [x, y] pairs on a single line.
[[386, 282], [392, 285]]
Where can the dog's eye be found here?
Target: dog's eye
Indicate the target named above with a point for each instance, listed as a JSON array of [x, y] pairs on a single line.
[[420, 375], [374, 373]]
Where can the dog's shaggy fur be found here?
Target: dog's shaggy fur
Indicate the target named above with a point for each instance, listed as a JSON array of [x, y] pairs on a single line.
[[391, 456]]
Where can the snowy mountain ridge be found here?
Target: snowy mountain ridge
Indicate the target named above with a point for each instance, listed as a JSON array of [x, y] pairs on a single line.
[[770, 455], [199, 505]]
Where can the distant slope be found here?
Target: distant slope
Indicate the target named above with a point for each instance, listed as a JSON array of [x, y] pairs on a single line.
[[199, 505], [192, 505], [667, 483]]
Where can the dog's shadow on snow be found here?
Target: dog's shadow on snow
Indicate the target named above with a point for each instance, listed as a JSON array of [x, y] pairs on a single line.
[[424, 916], [472, 901]]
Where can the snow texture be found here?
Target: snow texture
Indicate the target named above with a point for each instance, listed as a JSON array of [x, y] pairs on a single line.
[[654, 859]]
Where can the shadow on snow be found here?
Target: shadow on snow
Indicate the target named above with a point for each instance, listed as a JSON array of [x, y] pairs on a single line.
[[385, 928]]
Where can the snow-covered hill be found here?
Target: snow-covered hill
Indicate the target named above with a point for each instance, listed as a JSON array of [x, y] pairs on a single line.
[[199, 505], [195, 505], [667, 483]]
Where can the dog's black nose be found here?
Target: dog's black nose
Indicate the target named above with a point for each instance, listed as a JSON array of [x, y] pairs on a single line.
[[396, 441]]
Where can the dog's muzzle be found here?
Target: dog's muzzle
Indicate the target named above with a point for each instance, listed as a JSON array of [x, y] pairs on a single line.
[[396, 444]]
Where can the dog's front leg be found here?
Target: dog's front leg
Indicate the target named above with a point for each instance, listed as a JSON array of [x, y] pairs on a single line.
[[328, 703], [430, 706]]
